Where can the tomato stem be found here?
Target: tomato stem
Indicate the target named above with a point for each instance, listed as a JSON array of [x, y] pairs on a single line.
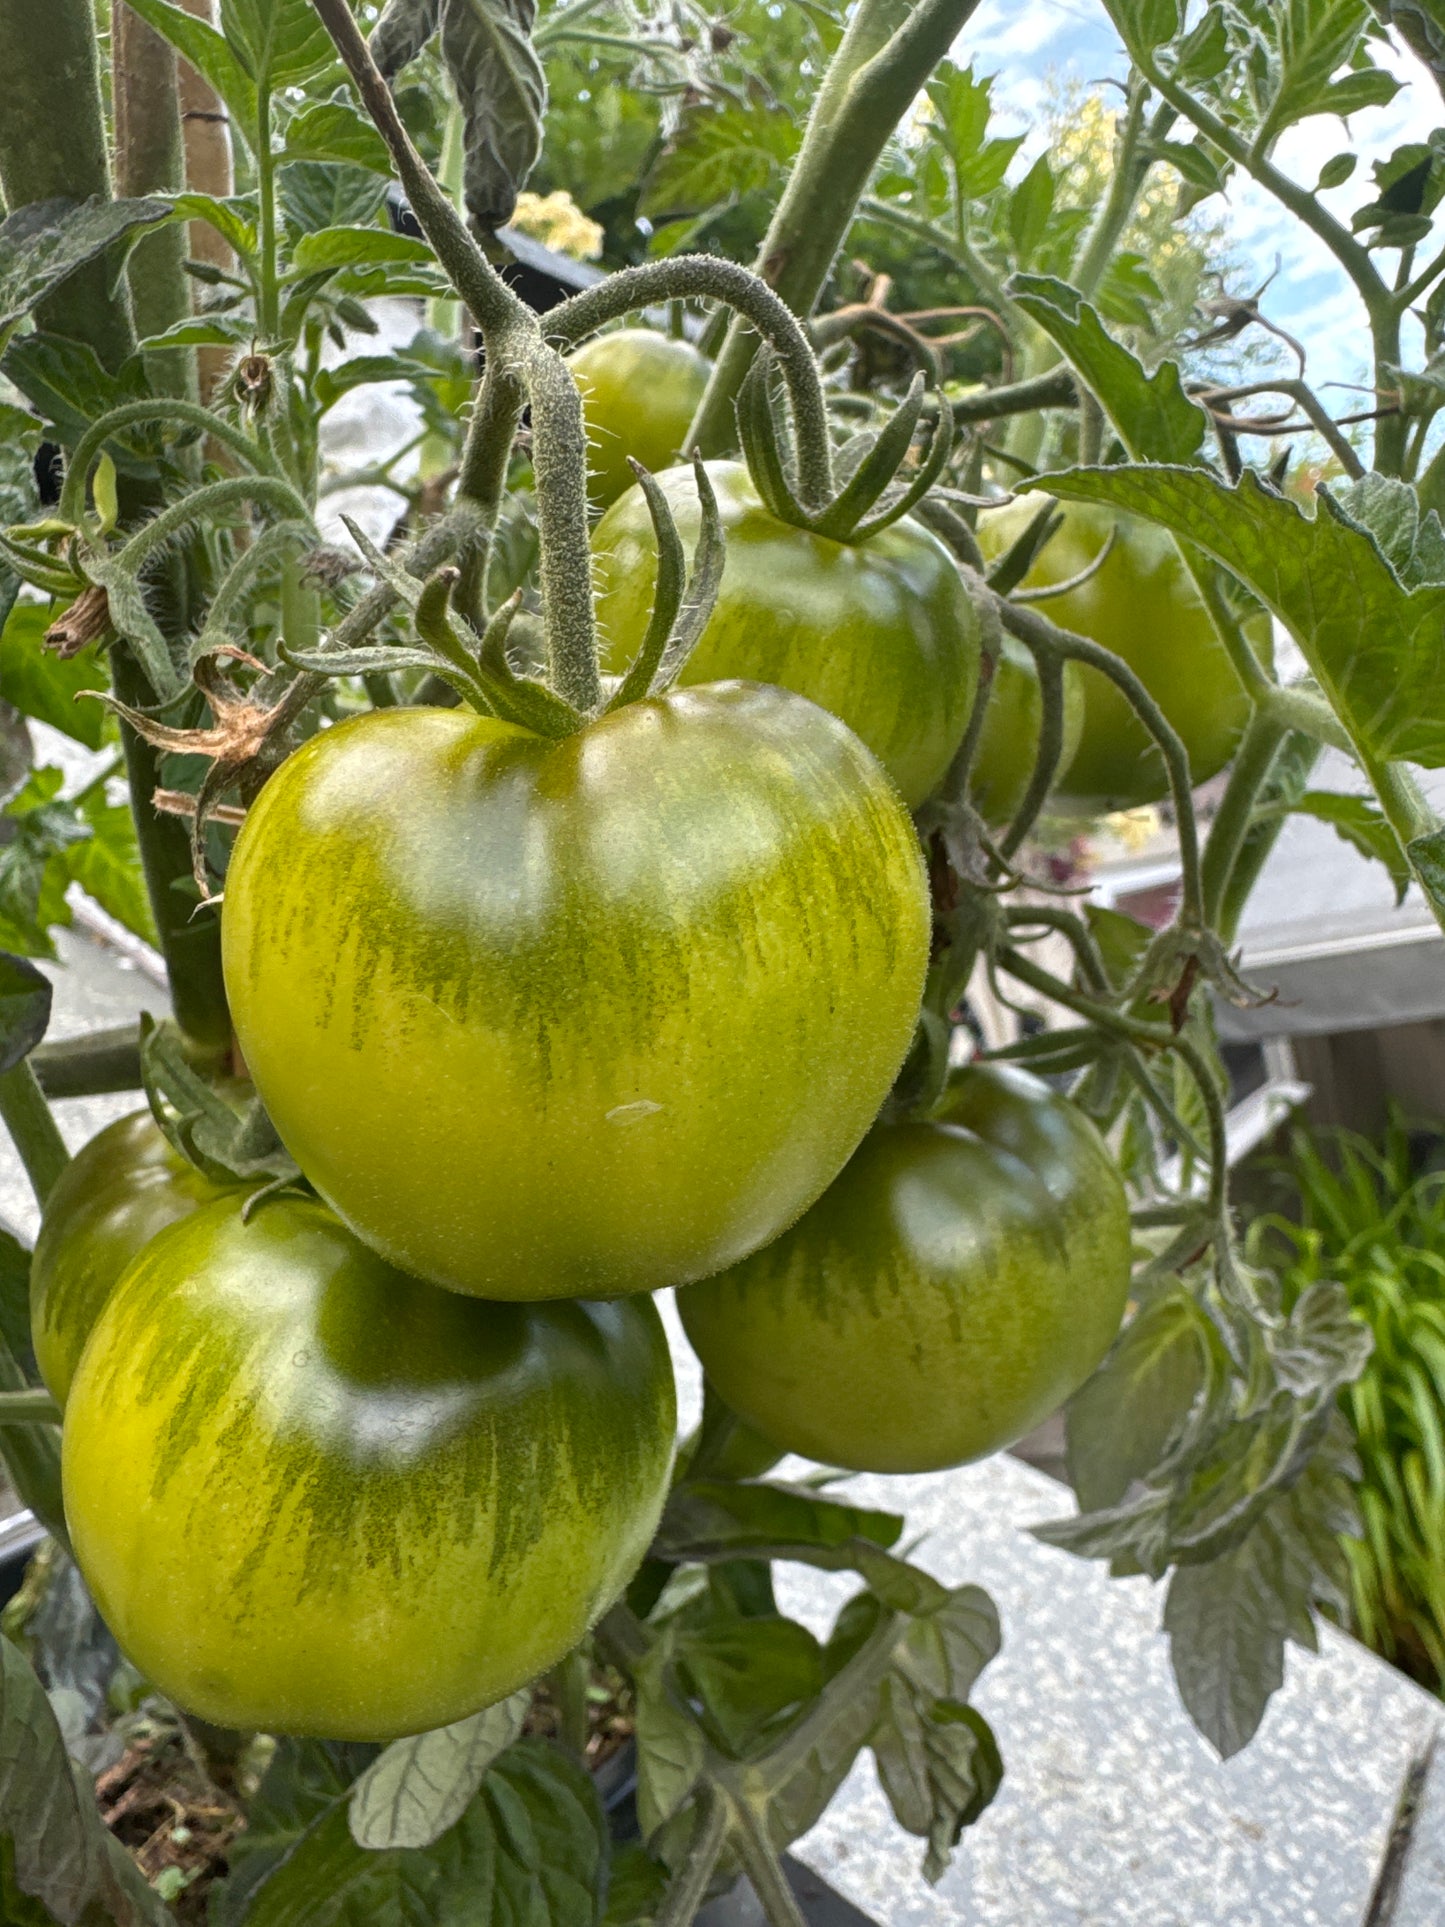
[[1045, 638], [688, 1887], [31, 1124], [512, 338], [888, 52]]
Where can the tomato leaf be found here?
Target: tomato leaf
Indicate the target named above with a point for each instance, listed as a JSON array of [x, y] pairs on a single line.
[[531, 1846], [279, 43], [718, 154], [35, 865], [42, 244], [332, 131], [725, 1520], [1154, 417], [1228, 1621], [1371, 640], [25, 998], [40, 684], [54, 1846], [634, 1889], [1359, 822], [344, 247], [1121, 1421], [939, 1765], [420, 1786]]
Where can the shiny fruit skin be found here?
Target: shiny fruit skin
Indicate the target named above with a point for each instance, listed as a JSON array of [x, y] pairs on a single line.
[[312, 1495], [1142, 604], [959, 1281], [116, 1193], [579, 1018], [881, 632], [1009, 744], [640, 391]]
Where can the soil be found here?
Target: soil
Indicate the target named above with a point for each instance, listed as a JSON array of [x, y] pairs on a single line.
[[175, 1824]]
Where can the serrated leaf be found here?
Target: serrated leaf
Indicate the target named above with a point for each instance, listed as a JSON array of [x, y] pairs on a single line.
[[304, 1781], [208, 53], [42, 244], [420, 1786], [35, 865], [1372, 643], [345, 247], [1228, 1621], [1359, 822], [716, 155], [59, 1851], [332, 131], [41, 685], [1121, 1420], [1155, 418], [279, 43]]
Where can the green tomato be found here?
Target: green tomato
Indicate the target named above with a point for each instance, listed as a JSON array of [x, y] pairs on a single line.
[[570, 1019], [312, 1495], [881, 632], [116, 1193], [1009, 743], [956, 1284], [640, 391], [1142, 604]]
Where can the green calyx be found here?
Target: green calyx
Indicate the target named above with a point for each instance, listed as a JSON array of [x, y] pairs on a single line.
[[477, 665], [873, 487]]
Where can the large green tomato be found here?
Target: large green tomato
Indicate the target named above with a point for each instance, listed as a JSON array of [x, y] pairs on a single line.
[[1144, 606], [570, 1019], [1009, 743], [640, 391], [116, 1193], [880, 632], [955, 1285], [312, 1495]]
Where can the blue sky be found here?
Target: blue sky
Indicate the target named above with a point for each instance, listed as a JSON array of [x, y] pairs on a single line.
[[1028, 42]]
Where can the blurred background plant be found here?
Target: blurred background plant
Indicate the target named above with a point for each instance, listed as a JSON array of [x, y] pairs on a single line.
[[1371, 1215]]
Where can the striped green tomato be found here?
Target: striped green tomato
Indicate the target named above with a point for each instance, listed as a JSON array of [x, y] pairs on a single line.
[[312, 1495], [640, 390], [1142, 603], [955, 1285], [881, 632], [572, 1019], [118, 1191]]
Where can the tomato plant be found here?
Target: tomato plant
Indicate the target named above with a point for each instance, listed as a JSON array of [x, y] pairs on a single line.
[[677, 955], [411, 1503], [960, 1279], [880, 631], [127, 1184], [640, 391], [607, 902]]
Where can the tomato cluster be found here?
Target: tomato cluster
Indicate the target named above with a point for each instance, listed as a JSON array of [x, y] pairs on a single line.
[[550, 1024]]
